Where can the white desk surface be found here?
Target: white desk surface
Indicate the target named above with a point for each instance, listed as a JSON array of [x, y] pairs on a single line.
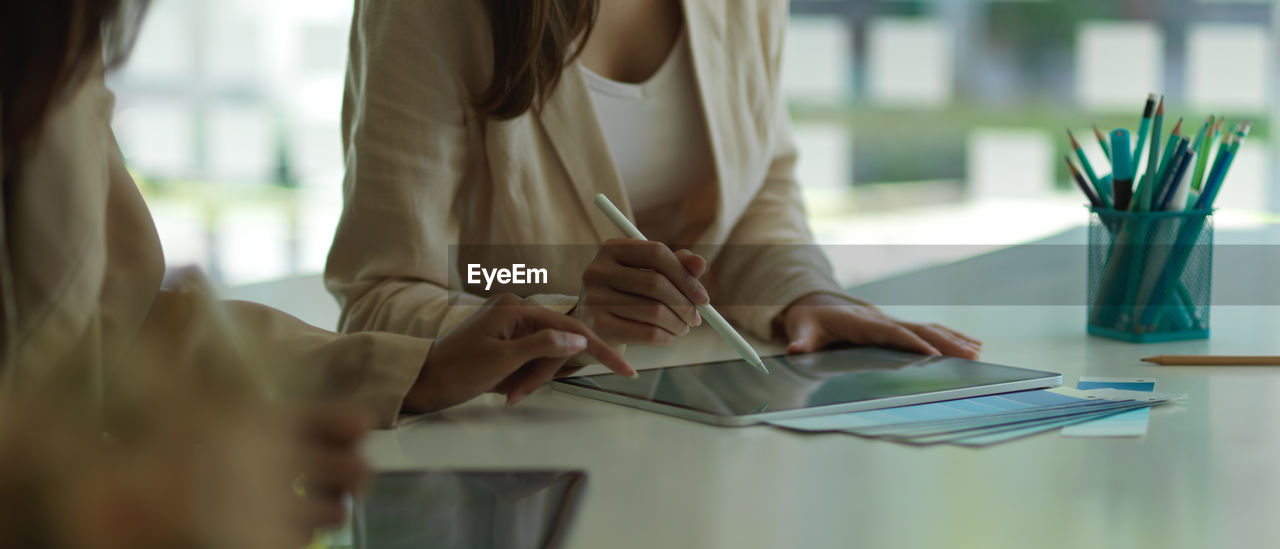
[[1207, 474]]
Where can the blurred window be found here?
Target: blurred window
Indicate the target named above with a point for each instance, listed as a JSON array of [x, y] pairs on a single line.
[[228, 112]]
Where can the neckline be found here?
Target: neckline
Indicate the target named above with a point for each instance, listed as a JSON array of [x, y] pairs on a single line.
[[637, 90]]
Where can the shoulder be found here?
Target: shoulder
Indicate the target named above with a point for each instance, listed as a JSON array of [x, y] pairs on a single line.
[[758, 25], [763, 19], [428, 37]]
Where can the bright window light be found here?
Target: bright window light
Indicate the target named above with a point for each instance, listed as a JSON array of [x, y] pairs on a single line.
[[910, 62], [1009, 163], [158, 139], [817, 61], [826, 156], [1118, 64], [1245, 187], [242, 144], [1227, 66]]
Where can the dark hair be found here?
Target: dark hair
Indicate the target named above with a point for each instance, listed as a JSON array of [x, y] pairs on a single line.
[[47, 48], [531, 45]]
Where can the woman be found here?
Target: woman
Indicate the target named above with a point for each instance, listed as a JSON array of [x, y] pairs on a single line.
[[82, 266], [88, 328], [474, 124]]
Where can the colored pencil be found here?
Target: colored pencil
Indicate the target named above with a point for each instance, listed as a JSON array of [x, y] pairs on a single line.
[[1177, 184], [1170, 175], [1203, 141], [1144, 126], [1217, 173], [1094, 198], [1102, 140], [1146, 186], [1212, 360], [1084, 160], [1242, 131]]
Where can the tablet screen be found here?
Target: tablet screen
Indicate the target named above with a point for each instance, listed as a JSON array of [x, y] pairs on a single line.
[[465, 509], [734, 387]]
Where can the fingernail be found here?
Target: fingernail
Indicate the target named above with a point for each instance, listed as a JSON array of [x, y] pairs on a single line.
[[634, 375], [685, 331], [513, 399], [697, 318], [575, 342], [701, 297]]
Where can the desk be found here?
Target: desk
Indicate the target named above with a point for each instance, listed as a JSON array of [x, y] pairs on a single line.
[[1206, 475]]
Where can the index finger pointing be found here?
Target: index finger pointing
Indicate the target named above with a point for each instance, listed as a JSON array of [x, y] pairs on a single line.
[[596, 347], [608, 356]]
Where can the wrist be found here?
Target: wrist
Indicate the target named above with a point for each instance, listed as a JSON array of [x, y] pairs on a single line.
[[424, 395]]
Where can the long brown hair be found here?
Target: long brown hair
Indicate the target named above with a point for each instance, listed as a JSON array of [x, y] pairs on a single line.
[[46, 48], [531, 46]]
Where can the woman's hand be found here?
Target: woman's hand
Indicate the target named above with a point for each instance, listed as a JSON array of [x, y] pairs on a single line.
[[508, 346], [328, 441], [818, 320], [639, 291]]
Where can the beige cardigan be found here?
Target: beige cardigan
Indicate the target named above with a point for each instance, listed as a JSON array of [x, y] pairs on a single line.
[[82, 269], [426, 172]]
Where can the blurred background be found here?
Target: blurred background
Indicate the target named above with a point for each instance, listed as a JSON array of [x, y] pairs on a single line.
[[919, 122]]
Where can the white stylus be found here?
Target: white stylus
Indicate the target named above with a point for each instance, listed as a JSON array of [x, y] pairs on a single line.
[[708, 313]]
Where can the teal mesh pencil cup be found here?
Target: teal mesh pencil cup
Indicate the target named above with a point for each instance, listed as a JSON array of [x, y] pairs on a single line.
[[1150, 274]]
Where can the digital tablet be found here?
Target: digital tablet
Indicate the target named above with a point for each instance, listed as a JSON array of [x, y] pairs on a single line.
[[466, 509], [733, 393]]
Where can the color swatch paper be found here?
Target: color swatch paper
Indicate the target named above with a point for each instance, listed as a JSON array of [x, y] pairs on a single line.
[[986, 420], [1128, 424]]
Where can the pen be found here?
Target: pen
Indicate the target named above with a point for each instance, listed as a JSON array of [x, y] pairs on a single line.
[[1121, 170], [717, 322]]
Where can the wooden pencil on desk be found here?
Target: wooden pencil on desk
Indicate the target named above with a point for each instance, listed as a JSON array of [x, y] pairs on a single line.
[[1211, 360]]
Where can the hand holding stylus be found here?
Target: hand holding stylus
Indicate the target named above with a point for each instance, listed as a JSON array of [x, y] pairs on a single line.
[[638, 291], [700, 299]]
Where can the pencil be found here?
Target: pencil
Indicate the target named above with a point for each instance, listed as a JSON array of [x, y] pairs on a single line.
[[1094, 198], [1203, 141], [1211, 360], [1102, 140], [1171, 173], [1242, 131], [1144, 126], [1217, 173], [1146, 187], [1175, 194], [717, 322], [1084, 160]]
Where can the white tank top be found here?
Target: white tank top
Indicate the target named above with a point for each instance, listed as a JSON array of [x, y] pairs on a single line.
[[655, 131]]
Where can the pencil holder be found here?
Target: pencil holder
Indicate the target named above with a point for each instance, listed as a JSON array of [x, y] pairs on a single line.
[[1150, 274]]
